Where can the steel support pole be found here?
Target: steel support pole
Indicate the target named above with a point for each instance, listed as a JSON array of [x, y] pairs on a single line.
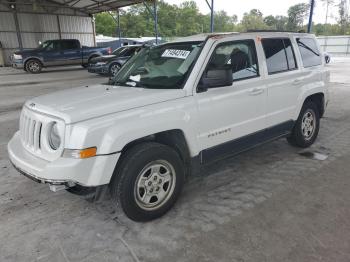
[[155, 20], [118, 28], [211, 7], [309, 26], [18, 31], [59, 26], [212, 16]]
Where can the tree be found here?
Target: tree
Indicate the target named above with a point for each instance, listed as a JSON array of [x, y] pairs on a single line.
[[343, 16], [185, 19], [253, 20], [105, 24], [278, 22], [296, 16]]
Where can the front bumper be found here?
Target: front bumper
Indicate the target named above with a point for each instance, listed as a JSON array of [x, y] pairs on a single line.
[[90, 172], [17, 64], [99, 69]]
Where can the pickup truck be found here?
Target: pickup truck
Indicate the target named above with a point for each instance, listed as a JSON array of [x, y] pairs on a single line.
[[56, 53], [171, 110]]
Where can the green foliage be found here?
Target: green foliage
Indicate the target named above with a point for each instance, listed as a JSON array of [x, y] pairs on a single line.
[[297, 15], [185, 19], [253, 20]]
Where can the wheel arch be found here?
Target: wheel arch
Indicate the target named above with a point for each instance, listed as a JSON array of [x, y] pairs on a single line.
[[319, 100], [94, 55], [33, 58], [174, 138]]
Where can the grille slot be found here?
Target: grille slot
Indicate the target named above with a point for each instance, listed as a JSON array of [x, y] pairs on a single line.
[[30, 131]]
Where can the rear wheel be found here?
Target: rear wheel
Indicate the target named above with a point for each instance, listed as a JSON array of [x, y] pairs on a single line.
[[307, 126], [33, 66], [148, 181]]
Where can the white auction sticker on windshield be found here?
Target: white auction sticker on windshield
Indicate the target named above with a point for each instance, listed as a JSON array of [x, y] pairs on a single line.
[[175, 53]]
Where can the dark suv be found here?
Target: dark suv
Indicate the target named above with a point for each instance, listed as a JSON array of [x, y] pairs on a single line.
[[110, 64]]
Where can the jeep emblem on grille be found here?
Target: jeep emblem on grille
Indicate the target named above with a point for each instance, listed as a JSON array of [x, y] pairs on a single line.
[[32, 105]]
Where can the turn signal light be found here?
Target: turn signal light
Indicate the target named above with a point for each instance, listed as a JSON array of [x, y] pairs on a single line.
[[80, 153]]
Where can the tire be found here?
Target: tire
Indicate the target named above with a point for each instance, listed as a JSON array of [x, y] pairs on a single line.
[[142, 194], [85, 65], [33, 66], [113, 69], [307, 126]]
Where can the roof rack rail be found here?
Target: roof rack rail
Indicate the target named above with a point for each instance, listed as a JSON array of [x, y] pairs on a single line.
[[276, 31]]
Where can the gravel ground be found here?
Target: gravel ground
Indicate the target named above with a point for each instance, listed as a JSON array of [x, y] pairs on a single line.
[[268, 204]]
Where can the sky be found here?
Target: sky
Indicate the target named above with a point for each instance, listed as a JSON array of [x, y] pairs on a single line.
[[267, 7]]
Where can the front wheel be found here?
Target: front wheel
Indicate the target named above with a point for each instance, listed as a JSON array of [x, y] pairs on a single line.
[[114, 68], [307, 126], [148, 181], [33, 66]]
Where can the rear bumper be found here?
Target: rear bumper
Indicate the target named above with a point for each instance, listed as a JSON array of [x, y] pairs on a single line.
[[90, 172]]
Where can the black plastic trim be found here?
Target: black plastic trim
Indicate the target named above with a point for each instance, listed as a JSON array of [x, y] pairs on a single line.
[[247, 142]]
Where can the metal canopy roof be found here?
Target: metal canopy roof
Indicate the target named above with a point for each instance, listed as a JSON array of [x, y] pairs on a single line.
[[97, 6]]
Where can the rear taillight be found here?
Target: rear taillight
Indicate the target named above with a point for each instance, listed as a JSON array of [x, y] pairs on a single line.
[[109, 50]]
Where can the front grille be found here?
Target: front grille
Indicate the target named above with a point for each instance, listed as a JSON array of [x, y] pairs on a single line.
[[31, 128], [34, 130]]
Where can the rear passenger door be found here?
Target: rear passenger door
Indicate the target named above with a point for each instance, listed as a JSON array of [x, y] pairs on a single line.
[[71, 52], [284, 80]]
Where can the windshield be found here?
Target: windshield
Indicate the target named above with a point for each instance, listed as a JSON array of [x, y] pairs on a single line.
[[118, 50], [159, 67]]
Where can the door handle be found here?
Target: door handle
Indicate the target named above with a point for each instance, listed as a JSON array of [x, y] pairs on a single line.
[[256, 91], [297, 82]]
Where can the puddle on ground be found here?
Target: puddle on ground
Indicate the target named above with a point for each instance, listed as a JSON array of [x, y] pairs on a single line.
[[314, 155]]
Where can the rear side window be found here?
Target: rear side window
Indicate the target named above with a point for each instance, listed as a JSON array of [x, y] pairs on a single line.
[[70, 44], [279, 55], [309, 52]]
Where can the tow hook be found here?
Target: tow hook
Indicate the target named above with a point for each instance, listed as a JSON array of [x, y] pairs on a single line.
[[59, 187], [56, 188]]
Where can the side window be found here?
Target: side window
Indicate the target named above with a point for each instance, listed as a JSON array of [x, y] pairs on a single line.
[[240, 56], [279, 55], [129, 51], [53, 46], [309, 52], [65, 45]]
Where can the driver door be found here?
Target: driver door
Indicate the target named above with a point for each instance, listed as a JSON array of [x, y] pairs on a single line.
[[52, 55], [230, 115]]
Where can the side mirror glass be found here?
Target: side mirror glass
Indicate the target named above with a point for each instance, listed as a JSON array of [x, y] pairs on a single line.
[[215, 78]]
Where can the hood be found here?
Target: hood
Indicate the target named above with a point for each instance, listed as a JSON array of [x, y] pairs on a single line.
[[105, 58], [27, 51], [84, 103]]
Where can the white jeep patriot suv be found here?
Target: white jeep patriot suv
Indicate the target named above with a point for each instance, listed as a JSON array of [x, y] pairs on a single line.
[[170, 108]]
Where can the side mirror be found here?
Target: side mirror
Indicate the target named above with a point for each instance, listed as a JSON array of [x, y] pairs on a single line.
[[215, 78]]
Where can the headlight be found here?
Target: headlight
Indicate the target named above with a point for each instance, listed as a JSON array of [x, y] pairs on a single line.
[[54, 137], [17, 57], [101, 63]]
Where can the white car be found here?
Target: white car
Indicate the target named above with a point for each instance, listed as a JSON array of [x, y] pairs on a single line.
[[171, 109]]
